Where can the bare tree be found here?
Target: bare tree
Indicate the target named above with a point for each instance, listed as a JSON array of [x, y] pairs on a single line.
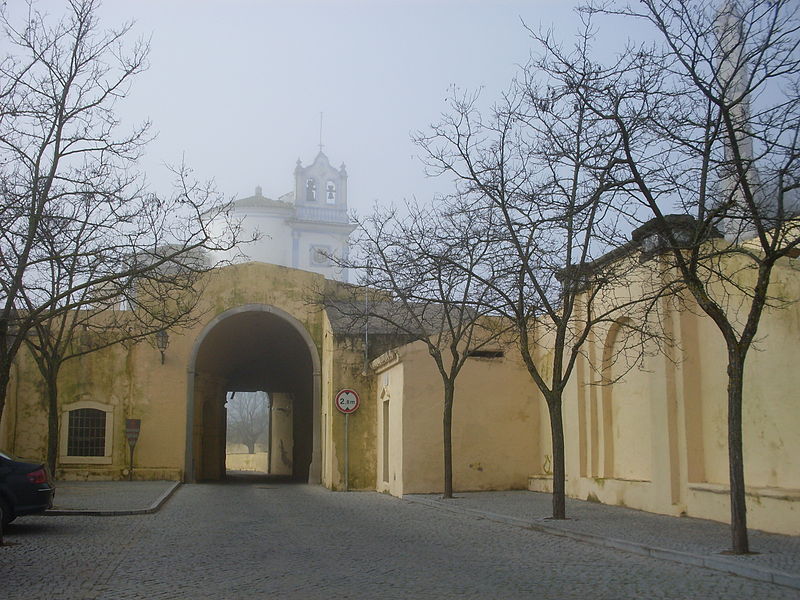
[[709, 123], [70, 320], [417, 278], [541, 172], [248, 415], [78, 230]]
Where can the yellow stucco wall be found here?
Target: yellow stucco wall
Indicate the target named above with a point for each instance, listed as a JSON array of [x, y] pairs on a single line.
[[390, 426], [664, 425], [135, 383], [330, 466], [242, 461], [495, 419], [347, 372], [655, 440], [281, 411]]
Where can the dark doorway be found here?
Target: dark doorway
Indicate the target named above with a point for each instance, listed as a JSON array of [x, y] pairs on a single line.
[[251, 351]]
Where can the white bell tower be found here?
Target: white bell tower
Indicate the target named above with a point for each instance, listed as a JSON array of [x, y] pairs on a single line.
[[321, 227]]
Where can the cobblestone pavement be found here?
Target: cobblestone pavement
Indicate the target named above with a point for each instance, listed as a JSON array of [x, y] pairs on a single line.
[[294, 541]]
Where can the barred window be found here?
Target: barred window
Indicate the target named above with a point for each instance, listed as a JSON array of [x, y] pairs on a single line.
[[87, 432]]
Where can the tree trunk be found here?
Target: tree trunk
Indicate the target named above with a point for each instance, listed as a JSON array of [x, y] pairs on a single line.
[[559, 472], [52, 423], [5, 377], [739, 539], [447, 423]]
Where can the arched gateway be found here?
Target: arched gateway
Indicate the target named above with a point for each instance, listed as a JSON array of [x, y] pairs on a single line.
[[248, 348]]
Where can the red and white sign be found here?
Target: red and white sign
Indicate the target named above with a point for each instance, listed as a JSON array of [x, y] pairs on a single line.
[[347, 401], [132, 428]]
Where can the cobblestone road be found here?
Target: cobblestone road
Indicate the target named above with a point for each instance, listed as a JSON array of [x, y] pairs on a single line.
[[293, 541]]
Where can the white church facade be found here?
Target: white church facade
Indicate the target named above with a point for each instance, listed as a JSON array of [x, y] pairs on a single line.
[[302, 229]]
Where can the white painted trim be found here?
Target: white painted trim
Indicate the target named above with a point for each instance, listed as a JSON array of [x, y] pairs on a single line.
[[63, 436]]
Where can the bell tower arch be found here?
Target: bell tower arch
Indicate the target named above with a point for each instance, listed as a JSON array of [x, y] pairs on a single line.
[[321, 227], [320, 185]]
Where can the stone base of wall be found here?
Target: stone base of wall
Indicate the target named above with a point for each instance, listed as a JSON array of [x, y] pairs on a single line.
[[776, 510], [256, 462], [111, 473], [541, 483]]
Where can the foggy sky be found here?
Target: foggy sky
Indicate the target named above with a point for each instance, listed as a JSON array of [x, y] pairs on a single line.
[[236, 87]]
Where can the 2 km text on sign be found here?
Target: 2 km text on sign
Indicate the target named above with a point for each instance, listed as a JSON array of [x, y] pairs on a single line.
[[347, 401]]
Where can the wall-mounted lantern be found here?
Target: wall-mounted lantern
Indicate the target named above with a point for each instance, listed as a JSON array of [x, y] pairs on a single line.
[[162, 341], [9, 330], [84, 338]]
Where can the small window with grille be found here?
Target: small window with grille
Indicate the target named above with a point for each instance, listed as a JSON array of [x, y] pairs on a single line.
[[87, 432]]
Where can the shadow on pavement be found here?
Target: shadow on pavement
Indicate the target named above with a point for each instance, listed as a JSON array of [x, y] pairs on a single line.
[[250, 477], [23, 526]]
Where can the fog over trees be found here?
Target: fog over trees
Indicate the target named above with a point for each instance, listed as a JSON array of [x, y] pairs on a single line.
[[689, 142], [89, 256], [709, 121], [248, 419]]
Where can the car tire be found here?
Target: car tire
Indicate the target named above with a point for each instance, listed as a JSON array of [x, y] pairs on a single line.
[[6, 516]]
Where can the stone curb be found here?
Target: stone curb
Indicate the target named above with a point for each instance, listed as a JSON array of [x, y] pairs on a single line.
[[153, 508], [716, 563]]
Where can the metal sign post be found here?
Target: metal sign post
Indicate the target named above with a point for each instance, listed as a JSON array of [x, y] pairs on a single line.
[[132, 428], [346, 452], [347, 401]]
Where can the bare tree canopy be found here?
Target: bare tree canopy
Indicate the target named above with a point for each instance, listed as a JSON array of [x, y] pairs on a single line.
[[417, 279], [81, 237], [709, 122], [544, 177], [248, 418]]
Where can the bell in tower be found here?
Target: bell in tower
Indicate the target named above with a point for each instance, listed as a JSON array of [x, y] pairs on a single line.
[[322, 186]]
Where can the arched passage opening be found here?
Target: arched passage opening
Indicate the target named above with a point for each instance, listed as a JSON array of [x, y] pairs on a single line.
[[247, 349]]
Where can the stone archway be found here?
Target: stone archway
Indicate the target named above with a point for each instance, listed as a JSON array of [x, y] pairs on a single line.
[[252, 347]]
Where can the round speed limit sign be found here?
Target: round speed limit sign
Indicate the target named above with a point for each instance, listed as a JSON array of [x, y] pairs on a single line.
[[347, 401]]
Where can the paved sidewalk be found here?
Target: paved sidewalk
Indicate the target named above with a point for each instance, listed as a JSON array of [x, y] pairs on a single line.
[[110, 498], [679, 539]]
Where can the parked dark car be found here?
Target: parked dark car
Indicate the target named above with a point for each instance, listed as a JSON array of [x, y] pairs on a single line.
[[25, 488]]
